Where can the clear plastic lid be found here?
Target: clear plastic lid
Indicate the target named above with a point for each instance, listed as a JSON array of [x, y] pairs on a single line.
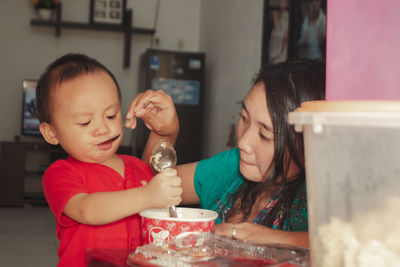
[[346, 113], [349, 106]]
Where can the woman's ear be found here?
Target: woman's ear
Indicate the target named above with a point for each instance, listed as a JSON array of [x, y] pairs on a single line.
[[49, 133]]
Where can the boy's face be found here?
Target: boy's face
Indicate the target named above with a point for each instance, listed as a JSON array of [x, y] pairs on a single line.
[[86, 117]]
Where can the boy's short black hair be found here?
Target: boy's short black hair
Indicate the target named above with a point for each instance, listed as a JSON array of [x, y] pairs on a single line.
[[63, 69]]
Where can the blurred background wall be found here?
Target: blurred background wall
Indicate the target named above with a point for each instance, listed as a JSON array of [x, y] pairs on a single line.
[[229, 32]]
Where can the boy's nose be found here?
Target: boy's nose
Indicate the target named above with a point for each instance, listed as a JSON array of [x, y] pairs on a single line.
[[101, 129]]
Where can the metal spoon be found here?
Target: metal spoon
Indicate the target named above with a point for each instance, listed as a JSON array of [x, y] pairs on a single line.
[[148, 102], [163, 155]]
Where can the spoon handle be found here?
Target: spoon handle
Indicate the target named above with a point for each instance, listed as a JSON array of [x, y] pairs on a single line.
[[172, 212]]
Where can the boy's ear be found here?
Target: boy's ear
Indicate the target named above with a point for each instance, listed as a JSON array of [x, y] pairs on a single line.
[[49, 133]]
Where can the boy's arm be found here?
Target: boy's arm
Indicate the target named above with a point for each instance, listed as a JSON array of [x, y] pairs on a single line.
[[163, 191]]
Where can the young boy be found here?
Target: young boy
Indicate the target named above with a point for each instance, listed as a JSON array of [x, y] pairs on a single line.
[[95, 194]]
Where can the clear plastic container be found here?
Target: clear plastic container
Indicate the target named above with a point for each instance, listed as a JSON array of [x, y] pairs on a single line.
[[208, 249], [352, 159]]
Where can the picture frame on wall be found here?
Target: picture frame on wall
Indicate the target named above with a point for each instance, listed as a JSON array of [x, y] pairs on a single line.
[[310, 33], [276, 31], [293, 29], [107, 12]]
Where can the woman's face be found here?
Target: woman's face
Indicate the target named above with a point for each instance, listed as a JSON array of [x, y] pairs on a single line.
[[255, 135]]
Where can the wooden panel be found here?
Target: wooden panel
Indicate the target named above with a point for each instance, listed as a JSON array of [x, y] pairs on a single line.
[[12, 171]]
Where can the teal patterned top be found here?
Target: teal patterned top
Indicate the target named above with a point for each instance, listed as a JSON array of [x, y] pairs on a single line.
[[219, 176]]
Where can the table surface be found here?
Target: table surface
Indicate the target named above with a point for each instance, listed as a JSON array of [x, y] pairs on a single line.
[[119, 258]]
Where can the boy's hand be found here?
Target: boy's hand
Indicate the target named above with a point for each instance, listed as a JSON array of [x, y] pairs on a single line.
[[164, 190], [159, 114]]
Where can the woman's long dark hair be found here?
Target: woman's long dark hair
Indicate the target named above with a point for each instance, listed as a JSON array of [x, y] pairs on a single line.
[[287, 85]]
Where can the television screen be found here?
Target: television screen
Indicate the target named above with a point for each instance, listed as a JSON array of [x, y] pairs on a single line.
[[30, 120]]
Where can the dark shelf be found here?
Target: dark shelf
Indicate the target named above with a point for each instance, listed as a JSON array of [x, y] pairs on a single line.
[[33, 173], [125, 28], [42, 146], [18, 170], [35, 199], [87, 26]]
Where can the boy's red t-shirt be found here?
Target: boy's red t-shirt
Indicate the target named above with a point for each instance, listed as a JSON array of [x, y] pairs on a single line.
[[66, 178]]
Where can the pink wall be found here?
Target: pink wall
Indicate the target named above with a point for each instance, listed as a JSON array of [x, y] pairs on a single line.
[[363, 50]]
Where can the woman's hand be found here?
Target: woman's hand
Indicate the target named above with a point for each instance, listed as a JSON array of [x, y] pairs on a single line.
[[261, 234], [157, 111], [241, 231]]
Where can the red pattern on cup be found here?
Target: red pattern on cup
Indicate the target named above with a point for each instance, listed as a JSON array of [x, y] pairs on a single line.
[[156, 230]]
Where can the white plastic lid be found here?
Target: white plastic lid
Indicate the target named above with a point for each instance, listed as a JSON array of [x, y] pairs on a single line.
[[349, 106], [184, 214], [346, 113]]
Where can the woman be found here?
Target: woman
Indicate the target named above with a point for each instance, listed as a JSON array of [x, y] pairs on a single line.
[[258, 188]]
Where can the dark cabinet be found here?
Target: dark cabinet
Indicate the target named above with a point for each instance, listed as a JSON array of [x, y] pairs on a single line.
[[12, 172], [180, 75], [22, 165]]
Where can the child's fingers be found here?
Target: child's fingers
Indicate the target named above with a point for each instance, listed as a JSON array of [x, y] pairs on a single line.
[[176, 201], [175, 181], [178, 191], [168, 172]]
